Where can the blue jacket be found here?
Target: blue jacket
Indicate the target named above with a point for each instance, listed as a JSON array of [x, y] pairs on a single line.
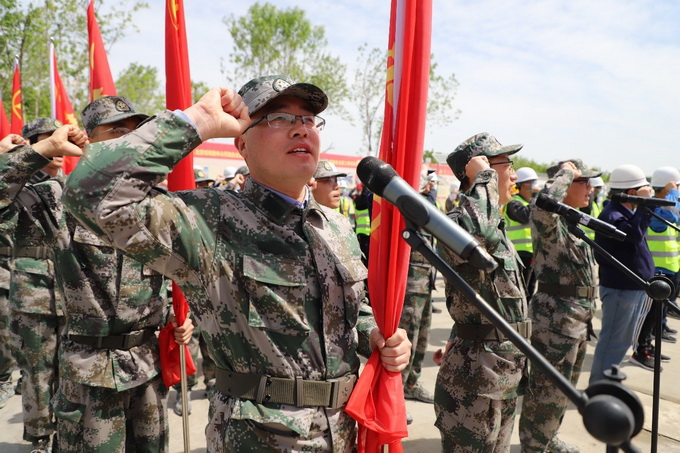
[[632, 252]]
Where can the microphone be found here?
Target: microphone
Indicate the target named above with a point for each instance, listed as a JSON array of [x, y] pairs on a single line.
[[643, 201], [575, 216], [384, 181]]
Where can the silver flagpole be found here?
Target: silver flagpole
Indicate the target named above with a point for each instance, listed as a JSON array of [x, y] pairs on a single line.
[[185, 401]]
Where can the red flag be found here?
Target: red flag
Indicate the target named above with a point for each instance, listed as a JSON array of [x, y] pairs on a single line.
[[61, 105], [4, 122], [16, 111], [177, 96], [377, 402], [101, 82]]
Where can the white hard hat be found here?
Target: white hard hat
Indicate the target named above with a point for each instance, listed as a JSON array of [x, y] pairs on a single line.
[[596, 182], [627, 177], [664, 175], [229, 172], [526, 174]]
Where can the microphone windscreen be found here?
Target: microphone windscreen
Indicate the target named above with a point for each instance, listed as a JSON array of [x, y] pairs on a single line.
[[546, 203], [375, 174]]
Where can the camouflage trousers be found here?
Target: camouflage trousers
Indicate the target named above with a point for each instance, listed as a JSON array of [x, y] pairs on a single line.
[[416, 318], [97, 419], [36, 339], [484, 425], [544, 404], [7, 362], [226, 434]]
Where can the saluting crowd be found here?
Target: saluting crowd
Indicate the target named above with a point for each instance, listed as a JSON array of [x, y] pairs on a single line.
[[272, 259]]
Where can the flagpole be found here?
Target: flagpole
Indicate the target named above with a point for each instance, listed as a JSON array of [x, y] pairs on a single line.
[[53, 95], [185, 400]]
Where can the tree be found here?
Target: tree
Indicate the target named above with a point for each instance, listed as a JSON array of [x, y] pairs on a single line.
[[368, 93], [25, 30], [198, 89], [141, 85], [268, 40]]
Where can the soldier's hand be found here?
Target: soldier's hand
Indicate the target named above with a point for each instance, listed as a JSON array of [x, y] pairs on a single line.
[[570, 165], [476, 164], [645, 191], [10, 141], [183, 333], [219, 113], [68, 140], [395, 352]]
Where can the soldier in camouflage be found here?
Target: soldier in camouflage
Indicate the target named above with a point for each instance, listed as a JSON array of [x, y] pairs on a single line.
[[7, 362], [274, 279], [481, 370], [562, 308], [36, 313], [111, 397]]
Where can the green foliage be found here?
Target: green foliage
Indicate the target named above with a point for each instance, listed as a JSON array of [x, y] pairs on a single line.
[[368, 94], [198, 89], [25, 30], [429, 156], [141, 85], [268, 40]]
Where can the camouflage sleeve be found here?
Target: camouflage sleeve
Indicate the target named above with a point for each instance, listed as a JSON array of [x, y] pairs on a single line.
[[365, 324], [481, 213], [545, 222], [16, 168], [111, 192]]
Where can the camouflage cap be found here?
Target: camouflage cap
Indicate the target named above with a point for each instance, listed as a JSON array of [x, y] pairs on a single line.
[[483, 144], [108, 109], [326, 169], [585, 171], [200, 176], [40, 126], [258, 92]]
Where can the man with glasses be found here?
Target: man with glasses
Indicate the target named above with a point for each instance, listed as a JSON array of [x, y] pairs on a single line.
[[561, 310], [275, 281], [481, 370]]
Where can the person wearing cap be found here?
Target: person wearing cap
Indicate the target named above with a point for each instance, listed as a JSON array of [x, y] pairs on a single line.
[[481, 371], [662, 241], [594, 207], [274, 279], [35, 307], [562, 308], [110, 117], [202, 179], [516, 214], [622, 299], [324, 184], [452, 199], [110, 384]]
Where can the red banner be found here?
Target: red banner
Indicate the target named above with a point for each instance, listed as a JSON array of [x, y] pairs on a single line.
[[16, 110], [4, 121], [61, 105], [101, 81], [377, 402], [177, 96]]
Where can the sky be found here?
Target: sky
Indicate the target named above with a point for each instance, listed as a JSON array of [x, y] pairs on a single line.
[[596, 80]]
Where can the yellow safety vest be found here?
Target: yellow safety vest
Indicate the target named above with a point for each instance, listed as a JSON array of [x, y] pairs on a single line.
[[518, 233], [665, 249], [597, 209], [363, 221]]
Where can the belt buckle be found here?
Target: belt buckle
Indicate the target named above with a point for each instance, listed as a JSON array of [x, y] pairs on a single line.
[[341, 389], [130, 338]]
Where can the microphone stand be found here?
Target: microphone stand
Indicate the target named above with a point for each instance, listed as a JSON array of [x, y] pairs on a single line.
[[611, 413], [658, 288]]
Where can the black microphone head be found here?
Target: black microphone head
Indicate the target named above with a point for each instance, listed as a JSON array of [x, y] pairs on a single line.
[[375, 174], [546, 203]]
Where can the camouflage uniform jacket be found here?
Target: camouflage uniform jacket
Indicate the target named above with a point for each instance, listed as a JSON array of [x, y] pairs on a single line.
[[105, 293], [493, 369], [276, 289], [560, 259], [31, 283]]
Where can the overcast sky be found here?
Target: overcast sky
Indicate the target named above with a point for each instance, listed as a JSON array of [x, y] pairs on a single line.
[[597, 80]]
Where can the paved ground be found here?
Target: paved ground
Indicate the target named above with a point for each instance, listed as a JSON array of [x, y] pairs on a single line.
[[423, 436]]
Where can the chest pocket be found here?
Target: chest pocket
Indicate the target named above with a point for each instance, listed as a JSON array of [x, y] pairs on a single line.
[[507, 280], [94, 254], [353, 274], [276, 294]]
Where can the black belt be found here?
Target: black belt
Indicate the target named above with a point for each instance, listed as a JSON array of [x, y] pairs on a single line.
[[39, 253], [331, 393], [123, 341], [582, 292], [488, 332]]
